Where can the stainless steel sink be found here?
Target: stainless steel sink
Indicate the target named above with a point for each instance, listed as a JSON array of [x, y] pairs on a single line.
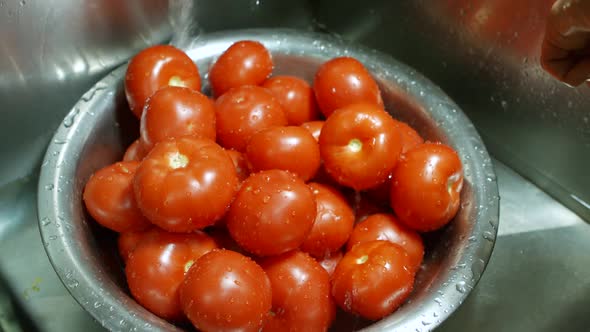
[[538, 278]]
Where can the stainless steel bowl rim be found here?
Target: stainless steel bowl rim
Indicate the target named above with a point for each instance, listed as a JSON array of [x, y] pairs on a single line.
[[113, 312]]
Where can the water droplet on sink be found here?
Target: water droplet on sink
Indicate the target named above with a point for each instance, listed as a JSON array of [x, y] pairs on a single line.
[[49, 186], [461, 287], [69, 120], [45, 221], [97, 305], [488, 236]]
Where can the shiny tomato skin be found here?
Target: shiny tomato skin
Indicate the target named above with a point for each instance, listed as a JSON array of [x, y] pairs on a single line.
[[134, 152], [360, 145], [409, 136], [128, 241], [154, 68], [175, 112], [226, 291], [426, 186], [240, 163], [333, 222], [314, 127], [288, 148], [343, 81], [384, 226], [157, 266], [272, 213], [296, 97], [245, 62], [410, 139], [373, 279], [185, 184], [109, 199], [242, 112], [329, 263], [301, 299]]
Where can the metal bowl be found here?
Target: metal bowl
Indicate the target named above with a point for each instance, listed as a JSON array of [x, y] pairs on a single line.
[[100, 126]]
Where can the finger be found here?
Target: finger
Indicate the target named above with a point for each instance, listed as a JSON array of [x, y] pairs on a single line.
[[579, 73], [555, 60]]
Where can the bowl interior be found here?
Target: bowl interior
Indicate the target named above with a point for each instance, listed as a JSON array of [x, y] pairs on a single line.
[[99, 128]]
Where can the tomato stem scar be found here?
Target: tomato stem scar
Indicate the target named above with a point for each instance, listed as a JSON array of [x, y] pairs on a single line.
[[176, 81], [355, 145], [188, 265], [177, 160], [362, 260]]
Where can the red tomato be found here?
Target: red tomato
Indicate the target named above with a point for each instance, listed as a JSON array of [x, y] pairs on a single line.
[[288, 148], [185, 184], [360, 145], [333, 222], [108, 196], [240, 163], [300, 293], [426, 188], [329, 263], [175, 112], [154, 68], [243, 63], [134, 152], [243, 111], [128, 241], [410, 137], [157, 266], [226, 291], [344, 81], [373, 279], [314, 127], [296, 97], [272, 213], [384, 226]]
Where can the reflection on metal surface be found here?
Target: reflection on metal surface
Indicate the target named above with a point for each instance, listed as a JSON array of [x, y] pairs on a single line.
[[485, 55], [103, 126], [50, 53]]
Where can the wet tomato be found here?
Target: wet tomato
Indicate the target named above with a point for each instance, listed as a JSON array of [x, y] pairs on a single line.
[[288, 148], [243, 63], [134, 152], [360, 145], [333, 222], [185, 184], [154, 68], [314, 127], [343, 81], [296, 97], [157, 266], [240, 163], [301, 299], [242, 112], [272, 213], [384, 226], [109, 198], [372, 279], [426, 186], [175, 112], [330, 262], [226, 291]]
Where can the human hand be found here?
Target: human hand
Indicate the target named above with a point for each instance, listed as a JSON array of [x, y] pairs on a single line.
[[565, 53]]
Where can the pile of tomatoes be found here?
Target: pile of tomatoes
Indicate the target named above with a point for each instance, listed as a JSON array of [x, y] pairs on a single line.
[[273, 202]]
